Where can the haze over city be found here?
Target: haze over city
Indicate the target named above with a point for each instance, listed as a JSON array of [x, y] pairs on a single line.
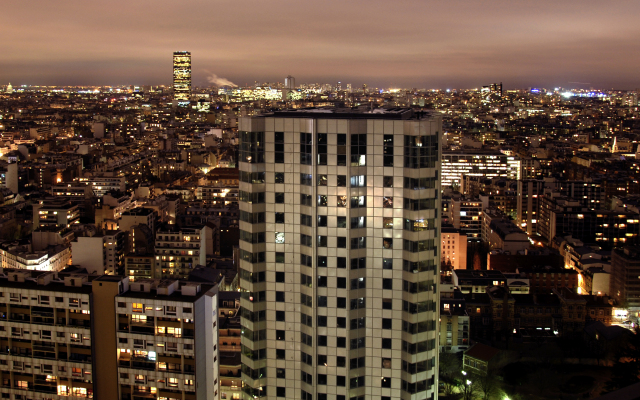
[[423, 44]]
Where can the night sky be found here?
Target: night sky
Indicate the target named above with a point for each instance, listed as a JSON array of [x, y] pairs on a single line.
[[423, 44]]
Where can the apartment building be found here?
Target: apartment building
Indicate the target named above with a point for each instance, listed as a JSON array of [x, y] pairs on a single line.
[[101, 185], [625, 270], [76, 335], [55, 214], [339, 254], [102, 253], [454, 247], [466, 215], [52, 258], [163, 328], [179, 250], [45, 334]]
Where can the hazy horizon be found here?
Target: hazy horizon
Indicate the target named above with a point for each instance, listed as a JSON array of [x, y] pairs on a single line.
[[407, 43]]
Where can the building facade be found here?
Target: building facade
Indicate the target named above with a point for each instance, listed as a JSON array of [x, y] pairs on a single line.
[[339, 255]]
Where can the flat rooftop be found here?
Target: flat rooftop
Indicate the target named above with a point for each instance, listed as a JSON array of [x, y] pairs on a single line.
[[350, 113]]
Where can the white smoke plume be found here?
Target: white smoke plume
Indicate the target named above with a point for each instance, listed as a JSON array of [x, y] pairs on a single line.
[[218, 81]]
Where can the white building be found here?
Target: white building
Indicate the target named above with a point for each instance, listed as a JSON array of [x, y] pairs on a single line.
[[339, 254]]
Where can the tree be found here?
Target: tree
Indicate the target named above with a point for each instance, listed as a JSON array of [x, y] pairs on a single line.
[[488, 385], [468, 386], [449, 369], [626, 369]]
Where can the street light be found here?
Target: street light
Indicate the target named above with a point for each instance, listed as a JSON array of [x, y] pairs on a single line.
[[464, 373], [468, 382]]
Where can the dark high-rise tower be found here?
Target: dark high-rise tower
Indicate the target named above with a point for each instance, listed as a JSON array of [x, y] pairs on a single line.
[[182, 75]]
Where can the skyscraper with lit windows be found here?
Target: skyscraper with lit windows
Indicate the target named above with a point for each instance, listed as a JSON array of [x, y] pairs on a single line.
[[182, 75], [339, 254]]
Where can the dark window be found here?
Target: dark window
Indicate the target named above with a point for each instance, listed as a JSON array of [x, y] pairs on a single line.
[[322, 359], [341, 302], [279, 335], [279, 257], [342, 180], [387, 284], [280, 297], [322, 220], [358, 263], [322, 378], [281, 391], [386, 343], [341, 283], [322, 261], [322, 340], [306, 179], [420, 151], [341, 242], [341, 322], [341, 262], [322, 301], [387, 150], [342, 222], [358, 283], [387, 304], [278, 139], [322, 149], [279, 198], [279, 276], [358, 222], [386, 323], [305, 148], [279, 315], [279, 218], [386, 382], [279, 177], [280, 373], [340, 380], [322, 281], [322, 241], [387, 181], [280, 354], [387, 263], [322, 320]]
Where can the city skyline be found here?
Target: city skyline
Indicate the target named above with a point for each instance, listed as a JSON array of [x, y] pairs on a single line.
[[403, 45]]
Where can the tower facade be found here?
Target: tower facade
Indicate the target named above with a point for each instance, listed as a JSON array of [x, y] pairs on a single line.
[[339, 254], [181, 75]]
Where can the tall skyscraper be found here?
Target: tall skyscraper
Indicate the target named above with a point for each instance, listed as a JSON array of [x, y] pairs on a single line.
[[339, 254], [181, 75], [290, 82]]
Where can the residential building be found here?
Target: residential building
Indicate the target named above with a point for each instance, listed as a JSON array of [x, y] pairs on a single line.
[[180, 250], [349, 200], [454, 247], [168, 340], [560, 216], [625, 270], [101, 253], [501, 234], [55, 214], [466, 216]]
